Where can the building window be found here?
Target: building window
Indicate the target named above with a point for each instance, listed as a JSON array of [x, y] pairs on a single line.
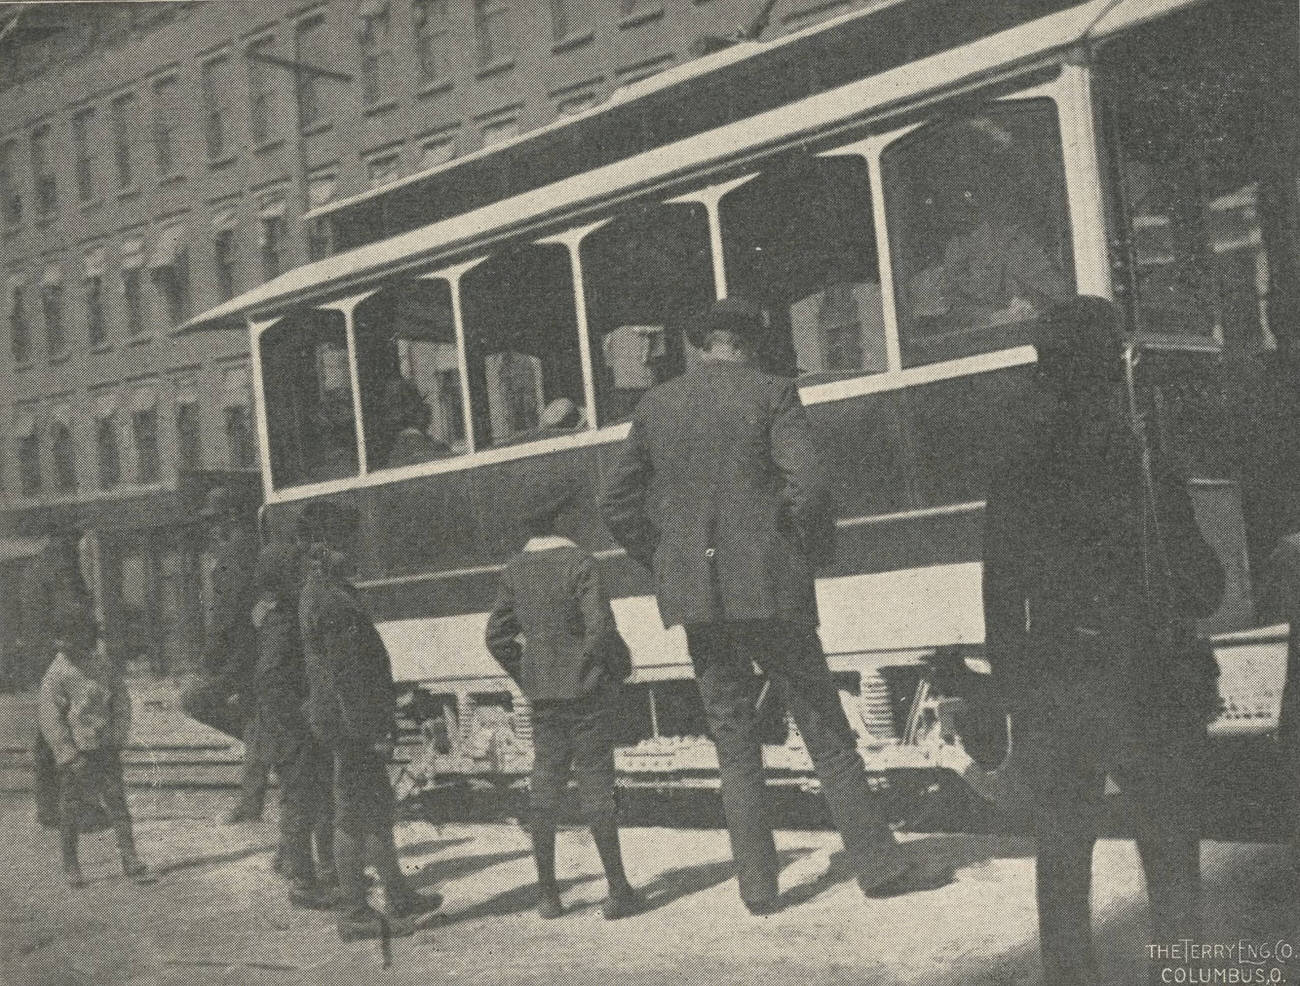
[[64, 453], [52, 311], [144, 429], [437, 150], [20, 333], [239, 438], [86, 147], [164, 126], [261, 93], [321, 188], [94, 293], [384, 168], [500, 130], [29, 458], [169, 266], [108, 459], [216, 89], [433, 38], [223, 253], [313, 50], [569, 18], [124, 124], [11, 201], [131, 261], [271, 238], [189, 438], [43, 177], [492, 31], [375, 31]]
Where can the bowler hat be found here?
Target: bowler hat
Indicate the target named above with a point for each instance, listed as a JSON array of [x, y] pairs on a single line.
[[1078, 341], [734, 314], [218, 503]]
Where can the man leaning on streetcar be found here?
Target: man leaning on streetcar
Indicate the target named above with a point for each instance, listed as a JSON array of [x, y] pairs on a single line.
[[720, 490]]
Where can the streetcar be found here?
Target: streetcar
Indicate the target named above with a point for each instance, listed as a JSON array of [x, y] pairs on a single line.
[[904, 192]]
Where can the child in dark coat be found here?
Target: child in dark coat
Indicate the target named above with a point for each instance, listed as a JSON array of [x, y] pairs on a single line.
[[86, 719], [571, 667]]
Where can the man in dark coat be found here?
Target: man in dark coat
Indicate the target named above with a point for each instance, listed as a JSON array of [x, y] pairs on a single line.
[[52, 584], [1094, 573], [350, 708], [719, 490], [301, 762], [222, 697]]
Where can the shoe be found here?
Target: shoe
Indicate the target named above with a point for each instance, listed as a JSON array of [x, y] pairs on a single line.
[[549, 906], [623, 904], [73, 876], [412, 904], [762, 908], [307, 895], [907, 876], [137, 871], [370, 924]]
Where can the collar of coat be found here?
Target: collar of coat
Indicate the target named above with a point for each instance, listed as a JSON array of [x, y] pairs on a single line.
[[548, 542]]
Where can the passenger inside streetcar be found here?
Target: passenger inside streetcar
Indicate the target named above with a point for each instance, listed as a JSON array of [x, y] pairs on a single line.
[[409, 421], [840, 328]]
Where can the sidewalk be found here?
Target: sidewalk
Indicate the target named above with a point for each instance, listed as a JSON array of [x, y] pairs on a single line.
[[219, 915]]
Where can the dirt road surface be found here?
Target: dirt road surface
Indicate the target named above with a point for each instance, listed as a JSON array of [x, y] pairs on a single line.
[[219, 914]]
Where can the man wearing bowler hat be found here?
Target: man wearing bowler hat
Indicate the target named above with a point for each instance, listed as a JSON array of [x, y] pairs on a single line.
[[221, 698], [720, 490]]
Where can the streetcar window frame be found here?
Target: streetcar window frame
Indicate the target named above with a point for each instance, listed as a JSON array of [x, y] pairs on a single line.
[[1046, 78]]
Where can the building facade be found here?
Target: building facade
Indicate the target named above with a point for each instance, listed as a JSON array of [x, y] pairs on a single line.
[[157, 159]]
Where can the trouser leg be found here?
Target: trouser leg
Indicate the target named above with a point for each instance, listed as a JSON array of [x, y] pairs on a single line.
[[728, 688], [1158, 784], [1062, 748], [112, 790], [552, 756], [68, 817], [350, 853], [793, 659], [300, 797], [46, 783], [253, 773], [593, 756], [1063, 875]]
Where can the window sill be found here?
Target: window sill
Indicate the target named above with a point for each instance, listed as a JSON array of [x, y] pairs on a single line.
[[102, 347], [60, 357], [268, 145], [140, 340], [175, 178], [571, 42], [436, 88], [383, 106], [495, 68], [637, 18], [319, 127], [218, 163], [128, 191], [46, 219], [88, 205], [21, 366]]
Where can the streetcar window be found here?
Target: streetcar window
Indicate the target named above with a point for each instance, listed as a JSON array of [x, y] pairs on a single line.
[[521, 340], [1199, 117], [979, 229], [409, 369], [310, 422], [800, 240], [645, 275]]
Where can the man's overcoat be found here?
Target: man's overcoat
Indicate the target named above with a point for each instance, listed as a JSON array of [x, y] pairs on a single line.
[[720, 490]]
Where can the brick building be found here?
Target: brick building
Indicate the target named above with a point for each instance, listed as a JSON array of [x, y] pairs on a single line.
[[159, 158]]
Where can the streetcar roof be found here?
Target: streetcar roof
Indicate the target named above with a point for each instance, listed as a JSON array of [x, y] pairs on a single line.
[[416, 249]]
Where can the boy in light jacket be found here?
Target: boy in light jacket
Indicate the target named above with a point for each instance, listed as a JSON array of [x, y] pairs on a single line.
[[571, 667], [86, 719]]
